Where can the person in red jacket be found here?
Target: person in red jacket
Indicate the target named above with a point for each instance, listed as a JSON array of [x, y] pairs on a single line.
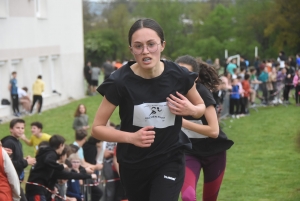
[[9, 180], [247, 92]]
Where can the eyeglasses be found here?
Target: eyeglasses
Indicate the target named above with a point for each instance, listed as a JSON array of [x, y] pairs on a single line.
[[139, 48], [75, 162]]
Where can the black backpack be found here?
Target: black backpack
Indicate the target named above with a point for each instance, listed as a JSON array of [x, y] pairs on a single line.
[[5, 102]]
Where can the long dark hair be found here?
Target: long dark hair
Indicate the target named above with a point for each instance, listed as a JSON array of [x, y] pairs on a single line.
[[207, 74], [77, 112], [146, 23]]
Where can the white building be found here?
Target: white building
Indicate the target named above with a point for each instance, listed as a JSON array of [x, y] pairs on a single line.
[[42, 37]]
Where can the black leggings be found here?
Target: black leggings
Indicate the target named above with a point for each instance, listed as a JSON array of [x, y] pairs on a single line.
[[297, 95], [37, 98], [15, 103]]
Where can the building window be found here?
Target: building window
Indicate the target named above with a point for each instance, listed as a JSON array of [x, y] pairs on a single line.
[[3, 9], [45, 71], [41, 9], [4, 76]]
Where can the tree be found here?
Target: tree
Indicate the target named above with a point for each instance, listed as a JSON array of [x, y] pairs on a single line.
[[283, 25], [100, 45], [168, 14]]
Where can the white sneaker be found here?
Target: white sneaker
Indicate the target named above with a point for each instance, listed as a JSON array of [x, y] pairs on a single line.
[[280, 101]]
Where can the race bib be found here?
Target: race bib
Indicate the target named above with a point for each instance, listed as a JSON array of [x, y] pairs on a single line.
[[153, 114], [193, 134]]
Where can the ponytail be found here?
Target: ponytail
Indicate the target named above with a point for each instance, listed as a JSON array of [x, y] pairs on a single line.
[[208, 76]]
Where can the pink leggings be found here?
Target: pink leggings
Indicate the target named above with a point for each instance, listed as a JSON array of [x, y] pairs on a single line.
[[213, 169]]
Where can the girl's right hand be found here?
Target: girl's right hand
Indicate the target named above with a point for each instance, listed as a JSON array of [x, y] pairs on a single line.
[[143, 137]]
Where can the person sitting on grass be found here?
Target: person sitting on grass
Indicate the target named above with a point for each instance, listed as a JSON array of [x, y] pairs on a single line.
[[37, 136]]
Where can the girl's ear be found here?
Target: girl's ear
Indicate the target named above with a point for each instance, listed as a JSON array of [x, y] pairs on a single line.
[[163, 45]]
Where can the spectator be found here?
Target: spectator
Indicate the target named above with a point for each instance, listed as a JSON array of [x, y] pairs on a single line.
[[73, 189], [216, 64], [288, 83], [12, 142], [81, 120], [281, 75], [13, 88], [298, 61], [231, 66], [242, 73], [256, 65], [80, 139], [246, 97], [254, 83], [87, 71], [45, 168], [296, 82], [95, 71], [107, 68], [37, 90], [60, 178], [24, 99], [264, 77], [281, 59], [272, 83], [9, 180], [117, 64], [90, 152], [37, 136], [234, 105]]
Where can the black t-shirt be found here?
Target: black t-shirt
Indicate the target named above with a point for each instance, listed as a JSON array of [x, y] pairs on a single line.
[[203, 145], [142, 102]]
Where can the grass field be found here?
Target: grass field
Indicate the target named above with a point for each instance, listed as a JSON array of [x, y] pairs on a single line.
[[263, 164]]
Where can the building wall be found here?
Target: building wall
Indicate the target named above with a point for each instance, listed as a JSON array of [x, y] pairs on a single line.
[[42, 37]]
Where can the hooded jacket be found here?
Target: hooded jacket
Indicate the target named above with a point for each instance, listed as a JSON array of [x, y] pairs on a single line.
[[46, 171], [43, 170], [38, 87], [17, 156]]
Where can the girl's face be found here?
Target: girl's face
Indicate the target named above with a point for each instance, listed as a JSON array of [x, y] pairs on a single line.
[[75, 163], [146, 39], [81, 109]]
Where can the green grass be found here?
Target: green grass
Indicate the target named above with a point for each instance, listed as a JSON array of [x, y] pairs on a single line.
[[262, 165]]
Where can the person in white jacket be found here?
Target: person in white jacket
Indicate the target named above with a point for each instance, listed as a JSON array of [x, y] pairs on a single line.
[[9, 180]]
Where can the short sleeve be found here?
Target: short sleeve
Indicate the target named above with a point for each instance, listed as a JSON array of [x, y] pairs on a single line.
[[206, 95], [31, 139], [80, 153], [188, 78], [109, 88]]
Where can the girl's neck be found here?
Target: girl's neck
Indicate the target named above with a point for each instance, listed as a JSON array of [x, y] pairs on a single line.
[[148, 73]]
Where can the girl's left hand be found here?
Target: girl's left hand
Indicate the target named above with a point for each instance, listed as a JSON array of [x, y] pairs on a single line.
[[180, 106]]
